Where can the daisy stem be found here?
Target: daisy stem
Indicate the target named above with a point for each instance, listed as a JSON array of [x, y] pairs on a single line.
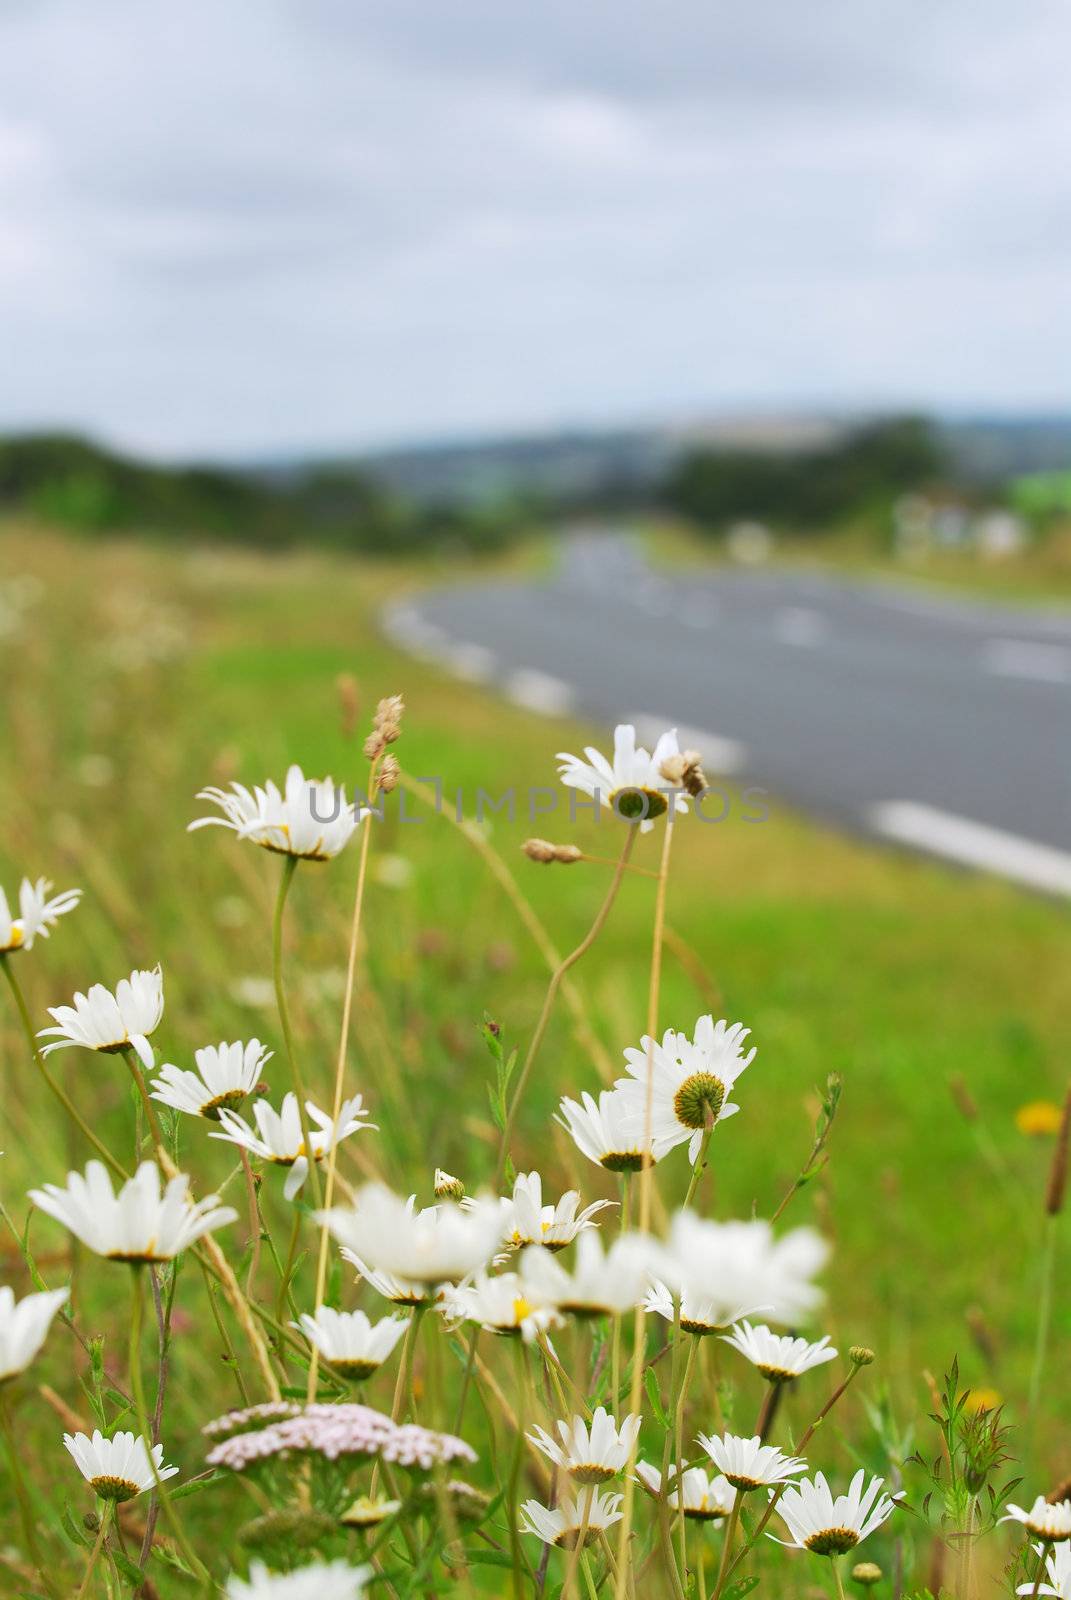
[[22, 1493], [288, 1271], [340, 1069], [839, 1577], [700, 1166], [139, 1083], [178, 1533], [646, 1181], [98, 1546], [64, 1100], [577, 1550], [552, 990], [255, 1229], [678, 1428], [287, 877], [515, 1469], [730, 1533]]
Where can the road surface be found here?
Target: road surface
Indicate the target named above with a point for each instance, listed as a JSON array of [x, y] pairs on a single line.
[[941, 724]]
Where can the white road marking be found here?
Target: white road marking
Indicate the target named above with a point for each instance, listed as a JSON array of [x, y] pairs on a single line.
[[538, 691], [974, 844], [799, 625], [721, 755], [1028, 658]]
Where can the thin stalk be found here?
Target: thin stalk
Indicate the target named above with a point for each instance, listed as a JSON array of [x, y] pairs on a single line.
[[141, 1412], [1048, 1262], [578, 1549], [515, 1470], [646, 1180], [288, 1271], [285, 880], [60, 1094], [98, 1545], [730, 1533], [700, 1165], [134, 1065], [552, 990], [340, 1069], [839, 1577], [22, 1494], [254, 1223]]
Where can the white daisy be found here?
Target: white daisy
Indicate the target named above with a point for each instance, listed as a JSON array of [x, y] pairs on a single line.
[[310, 819], [706, 1499], [1058, 1567], [748, 1463], [225, 1074], [562, 1526], [137, 1224], [590, 1453], [504, 1304], [117, 1468], [1047, 1521], [828, 1526], [526, 1220], [601, 1283], [330, 1580], [701, 1314], [690, 1081], [352, 1344], [441, 1244], [778, 1356], [23, 1326], [633, 785], [37, 916], [607, 1131], [278, 1136], [740, 1268], [109, 1022]]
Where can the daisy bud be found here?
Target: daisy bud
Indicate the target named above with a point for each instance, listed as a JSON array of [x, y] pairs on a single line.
[[348, 702], [542, 850], [860, 1356], [867, 1573], [389, 773], [447, 1187], [1054, 1196]]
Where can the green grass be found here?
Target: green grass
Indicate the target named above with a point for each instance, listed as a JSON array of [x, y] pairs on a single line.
[[896, 974]]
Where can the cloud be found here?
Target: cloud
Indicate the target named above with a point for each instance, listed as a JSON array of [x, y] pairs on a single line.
[[263, 225]]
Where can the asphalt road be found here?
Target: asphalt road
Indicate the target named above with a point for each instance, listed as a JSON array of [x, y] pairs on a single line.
[[941, 724]]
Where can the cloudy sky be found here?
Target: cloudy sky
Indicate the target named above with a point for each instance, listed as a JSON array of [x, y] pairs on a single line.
[[240, 226]]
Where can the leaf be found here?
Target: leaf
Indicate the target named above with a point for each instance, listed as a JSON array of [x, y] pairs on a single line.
[[650, 1383], [129, 1569], [737, 1591], [75, 1534], [195, 1485], [488, 1558]]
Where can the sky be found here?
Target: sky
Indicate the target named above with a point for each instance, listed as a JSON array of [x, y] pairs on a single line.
[[246, 227]]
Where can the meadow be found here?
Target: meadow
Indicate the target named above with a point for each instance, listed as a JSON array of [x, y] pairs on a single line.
[[136, 673]]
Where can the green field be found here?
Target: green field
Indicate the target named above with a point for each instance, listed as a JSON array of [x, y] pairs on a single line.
[[139, 673]]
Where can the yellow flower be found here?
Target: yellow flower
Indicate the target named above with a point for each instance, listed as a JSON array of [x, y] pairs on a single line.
[[983, 1399], [1038, 1118]]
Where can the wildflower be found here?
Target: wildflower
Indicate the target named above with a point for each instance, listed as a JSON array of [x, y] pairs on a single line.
[[633, 785], [310, 819], [505, 1304], [117, 1468], [330, 1580], [23, 1327], [1036, 1118], [748, 1463], [279, 1137], [139, 1223], [690, 1081], [777, 1356], [743, 1267], [369, 1512], [37, 916], [1046, 1520], [250, 1417], [225, 1074], [440, 1244], [447, 1187], [590, 1514], [608, 1132], [529, 1221], [700, 1314], [1058, 1568], [336, 1432], [110, 1022], [828, 1526], [706, 1499], [352, 1344], [590, 1453], [601, 1283]]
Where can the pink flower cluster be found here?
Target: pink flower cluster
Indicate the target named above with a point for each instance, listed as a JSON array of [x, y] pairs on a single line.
[[330, 1431]]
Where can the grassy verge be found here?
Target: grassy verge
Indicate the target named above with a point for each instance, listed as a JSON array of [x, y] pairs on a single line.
[[140, 674]]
